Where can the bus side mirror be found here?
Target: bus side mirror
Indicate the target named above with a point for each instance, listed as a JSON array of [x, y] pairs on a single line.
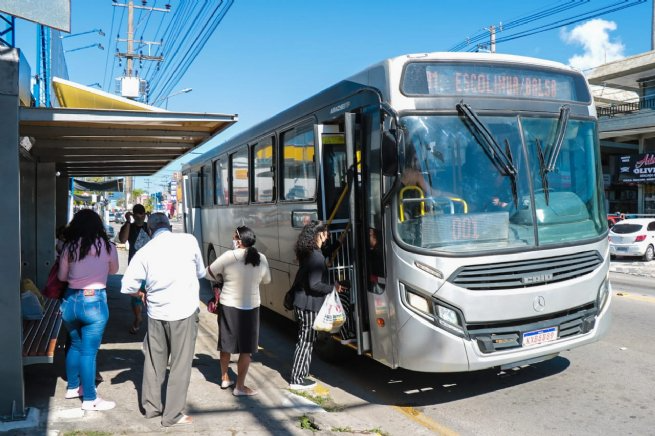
[[389, 154]]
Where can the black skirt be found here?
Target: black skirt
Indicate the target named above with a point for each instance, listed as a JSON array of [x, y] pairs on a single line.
[[238, 330]]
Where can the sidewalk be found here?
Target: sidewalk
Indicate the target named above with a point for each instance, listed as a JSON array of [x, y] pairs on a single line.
[[633, 267], [215, 411]]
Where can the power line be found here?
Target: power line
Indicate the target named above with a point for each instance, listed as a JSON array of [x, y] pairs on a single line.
[[613, 7]]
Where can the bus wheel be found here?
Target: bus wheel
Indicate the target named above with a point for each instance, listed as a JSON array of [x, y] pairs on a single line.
[[331, 351]]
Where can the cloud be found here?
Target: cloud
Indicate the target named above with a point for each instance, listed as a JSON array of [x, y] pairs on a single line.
[[594, 37]]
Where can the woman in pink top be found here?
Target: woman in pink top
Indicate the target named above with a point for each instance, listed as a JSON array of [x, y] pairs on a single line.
[[86, 260]]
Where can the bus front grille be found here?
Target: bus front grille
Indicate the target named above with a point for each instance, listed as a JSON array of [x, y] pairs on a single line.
[[501, 336], [526, 273]]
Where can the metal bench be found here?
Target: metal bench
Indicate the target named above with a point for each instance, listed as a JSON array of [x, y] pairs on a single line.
[[40, 336]]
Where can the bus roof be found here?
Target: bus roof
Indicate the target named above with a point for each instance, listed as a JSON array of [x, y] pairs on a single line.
[[360, 81]]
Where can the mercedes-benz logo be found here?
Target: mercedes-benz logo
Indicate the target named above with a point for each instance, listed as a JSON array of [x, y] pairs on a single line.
[[539, 303]]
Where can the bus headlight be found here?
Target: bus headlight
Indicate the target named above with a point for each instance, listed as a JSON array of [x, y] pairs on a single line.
[[450, 320], [604, 293], [418, 302]]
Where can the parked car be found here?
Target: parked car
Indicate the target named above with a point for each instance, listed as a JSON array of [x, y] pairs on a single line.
[[633, 237], [110, 231]]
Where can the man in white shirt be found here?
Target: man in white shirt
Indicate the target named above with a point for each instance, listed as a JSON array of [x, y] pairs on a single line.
[[171, 265]]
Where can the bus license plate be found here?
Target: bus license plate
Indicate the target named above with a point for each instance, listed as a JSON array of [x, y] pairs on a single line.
[[539, 336]]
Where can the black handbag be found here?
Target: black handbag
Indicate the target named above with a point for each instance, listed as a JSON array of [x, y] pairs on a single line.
[[291, 293], [289, 297]]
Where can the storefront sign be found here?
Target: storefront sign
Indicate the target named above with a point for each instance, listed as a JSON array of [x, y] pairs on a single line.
[[637, 168]]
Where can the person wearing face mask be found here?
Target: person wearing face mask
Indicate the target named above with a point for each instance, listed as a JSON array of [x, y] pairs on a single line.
[[309, 299], [243, 269], [135, 232]]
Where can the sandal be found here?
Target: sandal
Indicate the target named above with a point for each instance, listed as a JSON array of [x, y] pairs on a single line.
[[247, 392]]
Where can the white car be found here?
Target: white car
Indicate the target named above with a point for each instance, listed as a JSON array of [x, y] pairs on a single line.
[[633, 237]]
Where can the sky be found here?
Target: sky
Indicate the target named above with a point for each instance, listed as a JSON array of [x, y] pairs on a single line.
[[267, 55]]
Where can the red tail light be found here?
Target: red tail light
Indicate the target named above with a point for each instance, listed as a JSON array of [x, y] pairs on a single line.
[[640, 238]]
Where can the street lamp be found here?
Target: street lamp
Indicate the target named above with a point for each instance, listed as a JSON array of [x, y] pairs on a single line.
[[86, 46], [181, 91], [99, 31]]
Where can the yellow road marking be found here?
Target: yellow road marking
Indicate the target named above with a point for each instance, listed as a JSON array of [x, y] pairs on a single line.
[[321, 390], [426, 422], [644, 298]]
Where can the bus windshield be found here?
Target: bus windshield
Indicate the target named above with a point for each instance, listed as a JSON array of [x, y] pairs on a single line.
[[468, 188]]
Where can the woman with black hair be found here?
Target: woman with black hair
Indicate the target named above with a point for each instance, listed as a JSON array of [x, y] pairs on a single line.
[[86, 260], [314, 287], [243, 269]]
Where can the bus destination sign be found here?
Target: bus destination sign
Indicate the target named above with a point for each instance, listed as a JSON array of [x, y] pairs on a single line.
[[484, 80]]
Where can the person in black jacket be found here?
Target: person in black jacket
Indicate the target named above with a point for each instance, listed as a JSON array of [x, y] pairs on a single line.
[[309, 298]]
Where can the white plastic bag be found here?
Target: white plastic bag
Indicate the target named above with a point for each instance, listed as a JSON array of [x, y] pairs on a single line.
[[331, 316]]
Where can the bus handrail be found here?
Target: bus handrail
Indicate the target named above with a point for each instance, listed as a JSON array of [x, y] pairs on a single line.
[[402, 206]]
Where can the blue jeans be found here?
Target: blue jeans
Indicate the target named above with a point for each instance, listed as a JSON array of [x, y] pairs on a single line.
[[85, 318]]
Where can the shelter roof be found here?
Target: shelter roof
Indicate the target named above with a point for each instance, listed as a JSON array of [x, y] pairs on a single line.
[[104, 139]]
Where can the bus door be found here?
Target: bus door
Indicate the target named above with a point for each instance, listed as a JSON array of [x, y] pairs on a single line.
[[192, 211], [339, 182]]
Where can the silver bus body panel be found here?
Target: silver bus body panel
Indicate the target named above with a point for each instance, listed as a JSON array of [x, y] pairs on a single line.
[[404, 338]]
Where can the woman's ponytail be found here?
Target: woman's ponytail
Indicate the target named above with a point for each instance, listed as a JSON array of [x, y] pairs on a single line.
[[248, 239]]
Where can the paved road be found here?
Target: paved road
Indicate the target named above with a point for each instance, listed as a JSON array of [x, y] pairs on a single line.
[[603, 388]]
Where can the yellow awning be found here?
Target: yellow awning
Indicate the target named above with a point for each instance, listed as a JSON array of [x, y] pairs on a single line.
[[73, 95]]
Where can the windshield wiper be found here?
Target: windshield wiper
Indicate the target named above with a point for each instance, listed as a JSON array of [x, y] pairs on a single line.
[[543, 171], [562, 122], [487, 141], [515, 192], [504, 161]]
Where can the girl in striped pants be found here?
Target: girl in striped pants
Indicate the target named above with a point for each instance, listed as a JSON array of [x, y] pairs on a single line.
[[310, 293]]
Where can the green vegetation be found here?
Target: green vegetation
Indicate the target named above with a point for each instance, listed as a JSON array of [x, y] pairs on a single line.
[[306, 423], [375, 431], [326, 402]]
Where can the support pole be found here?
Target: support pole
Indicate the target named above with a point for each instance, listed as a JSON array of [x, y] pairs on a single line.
[[12, 394]]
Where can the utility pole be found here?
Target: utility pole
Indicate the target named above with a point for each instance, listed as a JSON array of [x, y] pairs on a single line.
[[492, 36], [492, 39], [130, 83]]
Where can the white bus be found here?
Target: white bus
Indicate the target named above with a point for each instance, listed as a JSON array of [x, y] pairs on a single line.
[[465, 203]]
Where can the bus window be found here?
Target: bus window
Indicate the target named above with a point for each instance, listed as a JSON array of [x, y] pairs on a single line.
[[335, 174], [220, 183], [239, 161], [195, 190], [263, 165], [299, 166], [207, 186]]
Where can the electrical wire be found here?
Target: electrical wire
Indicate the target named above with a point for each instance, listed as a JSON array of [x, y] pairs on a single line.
[[613, 7]]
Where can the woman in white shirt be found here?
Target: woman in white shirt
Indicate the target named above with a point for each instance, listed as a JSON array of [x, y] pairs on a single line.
[[243, 269]]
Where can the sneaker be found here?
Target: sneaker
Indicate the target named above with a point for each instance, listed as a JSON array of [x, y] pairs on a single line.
[[98, 404], [74, 393], [304, 385]]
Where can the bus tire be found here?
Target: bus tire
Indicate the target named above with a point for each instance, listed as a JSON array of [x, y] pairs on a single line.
[[330, 350]]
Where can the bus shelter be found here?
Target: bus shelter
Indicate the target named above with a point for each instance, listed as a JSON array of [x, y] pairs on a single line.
[[40, 150]]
